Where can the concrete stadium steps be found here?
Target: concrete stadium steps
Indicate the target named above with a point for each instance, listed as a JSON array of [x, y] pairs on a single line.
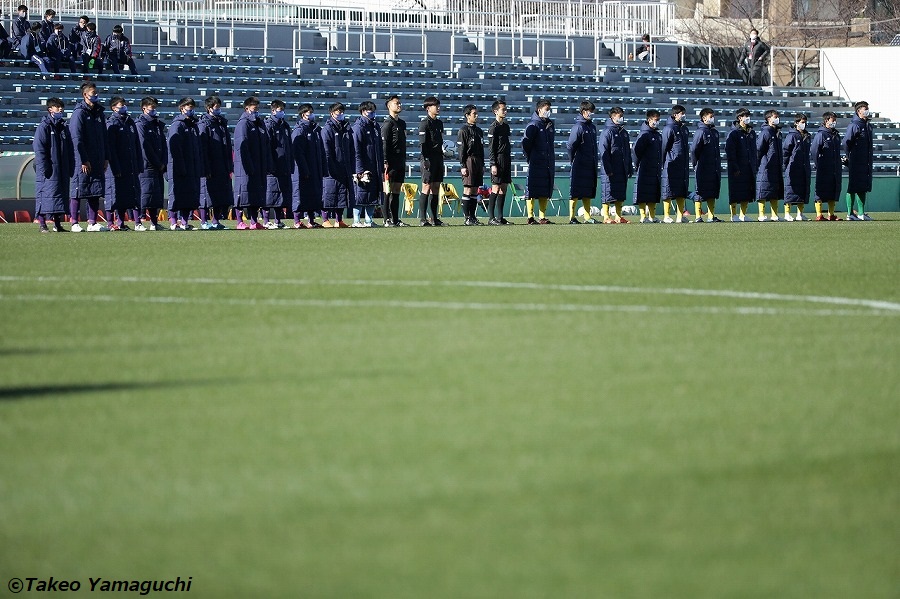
[[221, 68]]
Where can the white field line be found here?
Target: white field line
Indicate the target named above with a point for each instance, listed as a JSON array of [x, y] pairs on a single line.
[[872, 304], [438, 305]]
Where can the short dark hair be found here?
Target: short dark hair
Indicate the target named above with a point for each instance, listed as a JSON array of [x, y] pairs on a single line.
[[800, 117], [826, 116], [587, 105], [469, 109], [430, 101], [35, 27], [86, 18], [677, 109], [49, 13], [497, 104], [770, 113], [212, 101], [366, 106], [86, 86], [277, 105], [117, 29], [391, 99], [23, 7], [653, 114], [336, 107], [860, 104], [755, 30], [251, 101], [542, 103], [616, 110], [149, 101], [706, 111], [645, 37], [117, 100], [55, 102], [186, 101], [59, 26], [91, 27], [304, 108], [741, 112]]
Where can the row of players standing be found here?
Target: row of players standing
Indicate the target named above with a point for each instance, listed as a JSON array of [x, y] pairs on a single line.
[[45, 44], [767, 167]]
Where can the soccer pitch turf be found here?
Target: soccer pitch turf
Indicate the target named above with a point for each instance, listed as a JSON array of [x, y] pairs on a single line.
[[591, 411]]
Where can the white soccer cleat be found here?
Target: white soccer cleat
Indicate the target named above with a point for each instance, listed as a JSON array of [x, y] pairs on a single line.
[[76, 228], [762, 218], [668, 220], [358, 225], [788, 218], [774, 218], [865, 217], [140, 227], [96, 228], [800, 217]]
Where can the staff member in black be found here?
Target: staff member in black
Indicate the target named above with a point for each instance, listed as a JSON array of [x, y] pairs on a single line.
[[753, 56], [431, 140], [393, 137], [470, 140]]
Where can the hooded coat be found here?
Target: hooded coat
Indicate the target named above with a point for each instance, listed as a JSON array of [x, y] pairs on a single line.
[[123, 188], [706, 161], [281, 161], [769, 179], [309, 166], [676, 168], [88, 129], [825, 152], [740, 151], [537, 144], [615, 162], [216, 190], [251, 161], [582, 147], [54, 163], [859, 151], [368, 153], [339, 164], [185, 164], [797, 171], [648, 165], [155, 154]]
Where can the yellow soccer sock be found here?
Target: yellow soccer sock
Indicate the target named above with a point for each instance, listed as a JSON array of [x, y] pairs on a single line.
[[761, 206], [733, 209], [744, 208], [529, 207], [711, 208], [799, 209], [604, 211], [831, 207], [572, 208], [641, 208], [619, 209], [698, 207], [542, 207], [787, 210], [666, 208], [652, 208], [773, 204], [587, 208], [818, 209]]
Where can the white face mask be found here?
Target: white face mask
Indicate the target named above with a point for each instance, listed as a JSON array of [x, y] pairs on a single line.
[[544, 114], [830, 124], [776, 120], [745, 121], [619, 120], [866, 114], [801, 126], [589, 116], [653, 124], [753, 38]]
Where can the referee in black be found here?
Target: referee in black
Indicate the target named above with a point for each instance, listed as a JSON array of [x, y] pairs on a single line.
[[431, 140], [393, 136], [470, 140], [500, 154]]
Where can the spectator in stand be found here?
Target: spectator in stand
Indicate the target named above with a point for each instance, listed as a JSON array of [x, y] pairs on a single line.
[[644, 51], [753, 58], [5, 46], [118, 51], [91, 50], [20, 27], [60, 50], [47, 26], [32, 49], [77, 31]]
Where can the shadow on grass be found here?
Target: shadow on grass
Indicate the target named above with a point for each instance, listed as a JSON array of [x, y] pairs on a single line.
[[66, 389]]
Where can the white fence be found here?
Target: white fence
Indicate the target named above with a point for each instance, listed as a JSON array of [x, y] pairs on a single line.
[[606, 20]]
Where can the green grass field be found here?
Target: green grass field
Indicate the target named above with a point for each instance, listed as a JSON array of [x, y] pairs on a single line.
[[594, 411]]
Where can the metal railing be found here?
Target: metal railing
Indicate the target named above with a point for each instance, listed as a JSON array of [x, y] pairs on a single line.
[[608, 19]]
